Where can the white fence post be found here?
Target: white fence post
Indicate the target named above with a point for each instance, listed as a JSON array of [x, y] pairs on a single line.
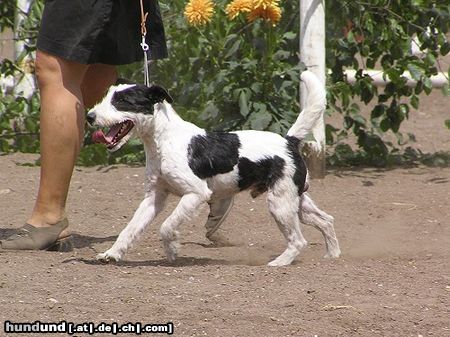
[[26, 84], [312, 54]]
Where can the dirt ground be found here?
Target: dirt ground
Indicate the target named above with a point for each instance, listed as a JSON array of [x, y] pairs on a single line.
[[393, 278]]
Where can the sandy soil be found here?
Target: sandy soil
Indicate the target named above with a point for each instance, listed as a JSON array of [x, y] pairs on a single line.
[[393, 278]]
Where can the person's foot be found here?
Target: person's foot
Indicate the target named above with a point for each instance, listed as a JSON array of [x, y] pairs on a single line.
[[29, 237], [218, 211]]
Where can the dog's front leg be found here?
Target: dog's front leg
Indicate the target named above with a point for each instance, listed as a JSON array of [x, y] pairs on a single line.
[[184, 211], [148, 209]]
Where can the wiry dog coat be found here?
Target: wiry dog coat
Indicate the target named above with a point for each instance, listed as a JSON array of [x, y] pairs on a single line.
[[201, 166]]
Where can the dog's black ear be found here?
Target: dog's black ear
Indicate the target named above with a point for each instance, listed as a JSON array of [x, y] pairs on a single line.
[[158, 94]]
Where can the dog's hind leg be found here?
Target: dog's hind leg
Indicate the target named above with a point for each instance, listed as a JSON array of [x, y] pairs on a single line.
[[311, 215], [148, 209], [284, 209], [184, 211]]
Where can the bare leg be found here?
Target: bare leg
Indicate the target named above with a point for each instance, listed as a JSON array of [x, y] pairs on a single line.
[[62, 129], [62, 119], [96, 81], [218, 211]]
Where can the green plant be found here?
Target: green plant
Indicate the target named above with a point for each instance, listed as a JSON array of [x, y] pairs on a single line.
[[19, 124], [232, 74], [235, 74], [19, 116], [379, 34]]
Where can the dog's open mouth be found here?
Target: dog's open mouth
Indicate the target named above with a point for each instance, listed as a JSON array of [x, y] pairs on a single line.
[[114, 135]]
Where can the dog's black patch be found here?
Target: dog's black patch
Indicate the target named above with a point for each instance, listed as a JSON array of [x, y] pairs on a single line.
[[300, 166], [214, 153], [259, 175], [140, 98]]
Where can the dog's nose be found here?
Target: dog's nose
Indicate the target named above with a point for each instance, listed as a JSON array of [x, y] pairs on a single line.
[[90, 118]]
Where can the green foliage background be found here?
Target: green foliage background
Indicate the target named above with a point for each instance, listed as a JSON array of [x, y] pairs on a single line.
[[231, 74]]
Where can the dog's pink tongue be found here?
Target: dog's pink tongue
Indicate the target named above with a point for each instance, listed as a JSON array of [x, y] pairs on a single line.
[[99, 137]]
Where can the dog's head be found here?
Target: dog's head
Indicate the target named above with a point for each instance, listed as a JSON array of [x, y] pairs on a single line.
[[124, 106]]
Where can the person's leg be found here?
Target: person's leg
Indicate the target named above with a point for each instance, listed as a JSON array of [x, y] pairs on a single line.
[[96, 81], [65, 87], [218, 212], [61, 133], [62, 84]]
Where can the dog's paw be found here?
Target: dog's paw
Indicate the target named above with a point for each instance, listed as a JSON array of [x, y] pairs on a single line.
[[333, 255], [278, 263], [171, 249], [108, 257]]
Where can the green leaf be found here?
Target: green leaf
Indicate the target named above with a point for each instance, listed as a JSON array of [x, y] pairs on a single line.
[[378, 111], [329, 132], [210, 111], [233, 49], [243, 103], [370, 62], [281, 55], [415, 71], [445, 89], [427, 85], [348, 122], [431, 60], [31, 125], [415, 102], [256, 87], [447, 123], [445, 48], [404, 110], [360, 120], [260, 120], [289, 35], [229, 38], [385, 125], [367, 91]]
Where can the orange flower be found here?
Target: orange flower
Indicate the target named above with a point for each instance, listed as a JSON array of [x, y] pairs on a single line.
[[264, 3], [236, 7], [199, 12], [268, 10]]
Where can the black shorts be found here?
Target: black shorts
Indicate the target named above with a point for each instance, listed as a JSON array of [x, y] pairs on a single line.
[[100, 31]]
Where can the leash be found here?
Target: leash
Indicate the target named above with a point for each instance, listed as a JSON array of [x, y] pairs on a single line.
[[144, 44]]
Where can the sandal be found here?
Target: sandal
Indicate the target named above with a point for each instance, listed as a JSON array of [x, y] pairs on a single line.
[[29, 237]]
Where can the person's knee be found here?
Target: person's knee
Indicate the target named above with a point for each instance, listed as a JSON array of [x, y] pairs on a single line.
[[46, 67], [53, 70]]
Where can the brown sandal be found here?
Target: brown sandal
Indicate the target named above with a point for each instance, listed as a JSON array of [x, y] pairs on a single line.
[[29, 237]]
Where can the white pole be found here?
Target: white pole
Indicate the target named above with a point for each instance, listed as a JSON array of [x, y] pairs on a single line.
[[437, 81], [26, 85], [312, 54]]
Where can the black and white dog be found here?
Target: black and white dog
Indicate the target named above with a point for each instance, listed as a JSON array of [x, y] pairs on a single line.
[[201, 166]]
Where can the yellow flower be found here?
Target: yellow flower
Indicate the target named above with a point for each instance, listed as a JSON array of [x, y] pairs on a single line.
[[270, 12], [236, 7], [199, 12], [264, 3], [266, 9]]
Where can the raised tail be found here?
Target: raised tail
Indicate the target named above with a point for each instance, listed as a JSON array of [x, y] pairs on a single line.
[[313, 109]]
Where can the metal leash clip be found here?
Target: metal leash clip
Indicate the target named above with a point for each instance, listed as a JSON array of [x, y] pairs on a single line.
[[144, 45]]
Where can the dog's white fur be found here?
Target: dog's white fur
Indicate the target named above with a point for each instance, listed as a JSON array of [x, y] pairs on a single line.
[[166, 137]]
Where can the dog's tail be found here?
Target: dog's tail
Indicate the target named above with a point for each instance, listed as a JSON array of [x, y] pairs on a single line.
[[313, 109]]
